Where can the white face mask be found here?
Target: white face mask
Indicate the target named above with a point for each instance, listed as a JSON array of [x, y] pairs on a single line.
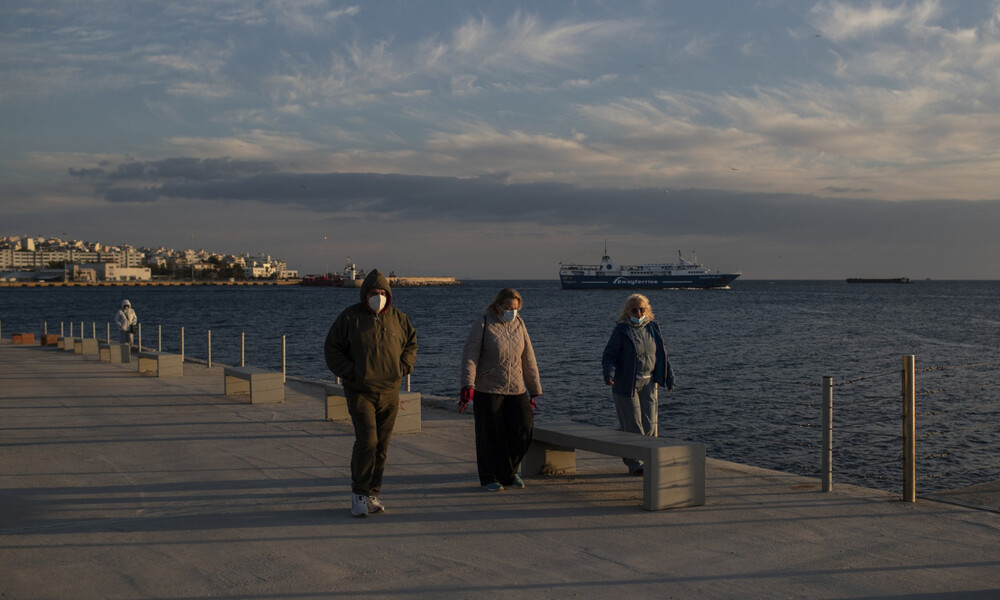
[[377, 303], [637, 320], [510, 315]]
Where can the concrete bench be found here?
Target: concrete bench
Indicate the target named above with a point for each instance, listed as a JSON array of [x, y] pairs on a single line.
[[115, 353], [160, 364], [262, 385], [68, 344], [23, 338], [50, 339], [86, 346], [673, 471], [407, 419]]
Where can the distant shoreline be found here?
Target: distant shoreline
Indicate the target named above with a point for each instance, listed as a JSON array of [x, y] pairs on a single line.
[[48, 284], [395, 282]]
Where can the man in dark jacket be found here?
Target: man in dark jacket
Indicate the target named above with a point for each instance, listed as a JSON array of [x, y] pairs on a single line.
[[371, 346]]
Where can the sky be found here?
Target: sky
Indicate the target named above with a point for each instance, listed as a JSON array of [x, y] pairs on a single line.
[[786, 139]]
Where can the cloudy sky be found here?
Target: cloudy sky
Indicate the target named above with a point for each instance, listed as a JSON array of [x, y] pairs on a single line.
[[483, 139]]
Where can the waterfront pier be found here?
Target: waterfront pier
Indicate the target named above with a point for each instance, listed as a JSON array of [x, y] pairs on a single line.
[[114, 485]]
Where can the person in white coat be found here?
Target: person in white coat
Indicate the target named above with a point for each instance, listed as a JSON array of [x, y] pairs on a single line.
[[500, 377], [126, 321]]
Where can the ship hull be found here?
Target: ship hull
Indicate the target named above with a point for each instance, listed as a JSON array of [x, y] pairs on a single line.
[[646, 281]]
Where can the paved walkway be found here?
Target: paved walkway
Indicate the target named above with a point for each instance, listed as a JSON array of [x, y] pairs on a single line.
[[114, 485]]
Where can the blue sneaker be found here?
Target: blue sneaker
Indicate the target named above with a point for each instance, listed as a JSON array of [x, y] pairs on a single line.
[[359, 505], [493, 486], [517, 482]]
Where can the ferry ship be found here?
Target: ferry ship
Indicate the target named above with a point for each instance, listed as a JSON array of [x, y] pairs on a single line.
[[684, 274]]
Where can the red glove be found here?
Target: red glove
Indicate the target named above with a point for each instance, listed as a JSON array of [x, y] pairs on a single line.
[[465, 397], [533, 405]]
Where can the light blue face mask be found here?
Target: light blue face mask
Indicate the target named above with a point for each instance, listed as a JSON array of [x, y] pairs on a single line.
[[637, 320], [509, 315]]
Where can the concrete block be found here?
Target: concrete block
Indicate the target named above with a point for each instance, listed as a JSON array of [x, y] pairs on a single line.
[[160, 364], [336, 404], [26, 339], [408, 419], [115, 353], [88, 347], [262, 386]]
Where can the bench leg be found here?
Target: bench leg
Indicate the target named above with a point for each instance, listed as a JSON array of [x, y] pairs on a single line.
[[237, 386], [147, 366], [171, 369], [547, 459], [674, 477], [336, 408], [266, 390]]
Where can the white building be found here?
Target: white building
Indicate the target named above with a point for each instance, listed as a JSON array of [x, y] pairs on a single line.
[[113, 272]]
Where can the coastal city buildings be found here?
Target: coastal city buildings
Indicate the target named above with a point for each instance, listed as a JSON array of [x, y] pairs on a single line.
[[54, 259]]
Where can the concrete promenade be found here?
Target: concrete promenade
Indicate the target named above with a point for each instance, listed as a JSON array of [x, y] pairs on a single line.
[[119, 486]]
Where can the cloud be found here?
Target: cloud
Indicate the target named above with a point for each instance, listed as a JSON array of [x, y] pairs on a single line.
[[186, 168], [495, 199], [842, 21]]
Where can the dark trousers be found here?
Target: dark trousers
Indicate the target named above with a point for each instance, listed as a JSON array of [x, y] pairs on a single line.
[[373, 415], [503, 433]]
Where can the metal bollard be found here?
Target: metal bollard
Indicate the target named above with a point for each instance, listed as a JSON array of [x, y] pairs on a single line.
[[909, 429], [827, 462]]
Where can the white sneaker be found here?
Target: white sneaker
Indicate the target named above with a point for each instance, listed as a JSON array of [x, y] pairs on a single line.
[[374, 506], [359, 505]]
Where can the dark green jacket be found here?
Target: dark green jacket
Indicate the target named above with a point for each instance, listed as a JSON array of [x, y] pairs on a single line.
[[369, 352]]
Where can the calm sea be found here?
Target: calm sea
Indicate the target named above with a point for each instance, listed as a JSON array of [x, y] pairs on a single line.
[[749, 361]]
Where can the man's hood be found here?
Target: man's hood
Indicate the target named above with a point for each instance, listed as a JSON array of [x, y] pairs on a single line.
[[375, 280]]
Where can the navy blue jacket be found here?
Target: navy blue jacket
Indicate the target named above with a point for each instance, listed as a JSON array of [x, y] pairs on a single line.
[[621, 359]]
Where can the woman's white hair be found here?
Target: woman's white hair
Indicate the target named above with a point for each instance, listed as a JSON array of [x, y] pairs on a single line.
[[633, 301]]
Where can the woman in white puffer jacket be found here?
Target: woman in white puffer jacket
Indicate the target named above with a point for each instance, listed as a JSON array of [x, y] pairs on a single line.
[[500, 377], [125, 321]]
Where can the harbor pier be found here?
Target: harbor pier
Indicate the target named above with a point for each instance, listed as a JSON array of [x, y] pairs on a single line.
[[121, 486]]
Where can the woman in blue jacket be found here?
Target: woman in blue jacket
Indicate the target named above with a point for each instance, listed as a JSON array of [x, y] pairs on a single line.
[[635, 364]]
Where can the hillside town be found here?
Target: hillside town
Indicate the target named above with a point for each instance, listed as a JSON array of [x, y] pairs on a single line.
[[25, 258]]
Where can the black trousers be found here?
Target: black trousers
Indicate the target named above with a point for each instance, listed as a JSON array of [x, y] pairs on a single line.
[[373, 415], [503, 434]]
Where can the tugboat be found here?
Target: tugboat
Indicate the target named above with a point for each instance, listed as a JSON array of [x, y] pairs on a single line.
[[353, 276], [684, 274], [328, 280]]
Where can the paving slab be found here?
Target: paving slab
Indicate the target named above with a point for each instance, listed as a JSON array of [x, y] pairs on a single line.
[[114, 485]]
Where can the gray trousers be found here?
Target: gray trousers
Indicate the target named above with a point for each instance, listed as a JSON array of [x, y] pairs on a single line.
[[638, 413], [374, 416]]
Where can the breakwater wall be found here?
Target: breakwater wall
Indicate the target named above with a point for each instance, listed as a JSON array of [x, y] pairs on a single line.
[[422, 281]]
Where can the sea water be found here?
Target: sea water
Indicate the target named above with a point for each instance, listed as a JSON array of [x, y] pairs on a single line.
[[749, 360]]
